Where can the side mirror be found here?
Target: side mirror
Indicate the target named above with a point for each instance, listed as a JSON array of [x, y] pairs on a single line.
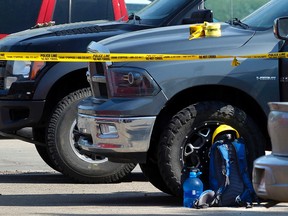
[[281, 28], [199, 16]]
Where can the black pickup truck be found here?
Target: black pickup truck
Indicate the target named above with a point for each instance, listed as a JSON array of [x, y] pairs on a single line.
[[44, 95]]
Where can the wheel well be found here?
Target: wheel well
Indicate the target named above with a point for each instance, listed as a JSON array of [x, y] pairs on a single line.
[[69, 83], [203, 93]]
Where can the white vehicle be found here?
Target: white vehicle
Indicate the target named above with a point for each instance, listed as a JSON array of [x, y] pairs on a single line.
[[134, 6]]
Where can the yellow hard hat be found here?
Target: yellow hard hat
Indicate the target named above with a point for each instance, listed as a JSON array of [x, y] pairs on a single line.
[[223, 128]]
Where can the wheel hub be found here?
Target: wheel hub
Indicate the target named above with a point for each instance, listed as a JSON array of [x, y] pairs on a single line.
[[196, 147]]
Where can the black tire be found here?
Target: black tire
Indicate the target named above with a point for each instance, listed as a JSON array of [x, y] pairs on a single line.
[[44, 154], [61, 136], [187, 140], [39, 135], [151, 171]]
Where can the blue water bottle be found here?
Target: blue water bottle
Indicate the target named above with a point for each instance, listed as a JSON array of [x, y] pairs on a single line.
[[192, 188]]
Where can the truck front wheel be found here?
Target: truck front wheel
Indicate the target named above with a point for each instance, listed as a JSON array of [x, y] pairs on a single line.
[[44, 154], [151, 171], [187, 140], [62, 146]]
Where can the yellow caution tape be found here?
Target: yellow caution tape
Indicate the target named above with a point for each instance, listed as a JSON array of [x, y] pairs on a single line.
[[101, 57], [196, 31], [205, 30], [235, 62], [127, 57]]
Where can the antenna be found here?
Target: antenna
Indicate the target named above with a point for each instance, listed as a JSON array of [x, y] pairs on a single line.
[[231, 9]]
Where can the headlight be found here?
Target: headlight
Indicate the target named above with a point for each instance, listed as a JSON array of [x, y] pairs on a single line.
[[130, 82], [21, 70]]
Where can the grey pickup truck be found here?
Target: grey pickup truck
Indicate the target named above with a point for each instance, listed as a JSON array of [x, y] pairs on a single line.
[[162, 114]]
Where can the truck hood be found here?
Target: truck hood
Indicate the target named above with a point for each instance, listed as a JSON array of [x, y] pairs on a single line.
[[175, 39], [59, 37]]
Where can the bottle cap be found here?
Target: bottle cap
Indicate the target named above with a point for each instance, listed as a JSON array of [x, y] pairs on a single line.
[[193, 174]]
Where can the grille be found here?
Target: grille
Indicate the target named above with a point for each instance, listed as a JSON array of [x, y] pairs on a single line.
[[3, 64], [96, 78], [2, 74], [1, 83]]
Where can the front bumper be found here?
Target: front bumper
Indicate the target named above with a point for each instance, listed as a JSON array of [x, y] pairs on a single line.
[[270, 177], [277, 127], [15, 115], [127, 142]]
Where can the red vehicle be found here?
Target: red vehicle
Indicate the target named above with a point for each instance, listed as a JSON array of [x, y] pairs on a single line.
[[20, 15]]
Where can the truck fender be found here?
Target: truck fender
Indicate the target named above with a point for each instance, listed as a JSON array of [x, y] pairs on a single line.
[[53, 75]]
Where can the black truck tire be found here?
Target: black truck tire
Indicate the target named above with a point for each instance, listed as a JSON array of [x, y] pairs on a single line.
[[61, 136], [187, 139], [151, 171], [39, 136], [44, 154]]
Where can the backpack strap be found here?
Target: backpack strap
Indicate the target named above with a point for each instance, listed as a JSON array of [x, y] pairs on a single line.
[[219, 187], [245, 198], [223, 149]]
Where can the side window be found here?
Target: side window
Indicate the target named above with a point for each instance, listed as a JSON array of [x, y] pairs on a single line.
[[86, 10], [61, 12], [18, 15], [224, 10]]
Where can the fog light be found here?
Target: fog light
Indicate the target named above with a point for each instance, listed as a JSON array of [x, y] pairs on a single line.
[[108, 130], [83, 130]]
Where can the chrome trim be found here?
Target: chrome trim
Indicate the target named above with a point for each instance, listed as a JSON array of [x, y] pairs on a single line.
[[99, 79], [95, 47], [133, 133], [70, 12], [96, 71]]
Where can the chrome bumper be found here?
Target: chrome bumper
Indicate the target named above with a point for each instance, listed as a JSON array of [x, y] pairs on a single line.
[[122, 135]]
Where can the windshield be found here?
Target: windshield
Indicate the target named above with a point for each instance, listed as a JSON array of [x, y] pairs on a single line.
[[264, 17], [134, 6], [159, 9]]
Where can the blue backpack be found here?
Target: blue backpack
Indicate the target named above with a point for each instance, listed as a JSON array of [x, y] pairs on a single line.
[[228, 176]]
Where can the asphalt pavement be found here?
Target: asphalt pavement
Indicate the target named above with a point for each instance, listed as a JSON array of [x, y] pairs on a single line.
[[29, 187]]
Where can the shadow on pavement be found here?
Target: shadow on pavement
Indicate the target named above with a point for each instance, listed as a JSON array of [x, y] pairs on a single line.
[[55, 178], [131, 200], [112, 199]]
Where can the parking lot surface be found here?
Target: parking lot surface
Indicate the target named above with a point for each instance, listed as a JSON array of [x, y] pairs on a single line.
[[29, 187]]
